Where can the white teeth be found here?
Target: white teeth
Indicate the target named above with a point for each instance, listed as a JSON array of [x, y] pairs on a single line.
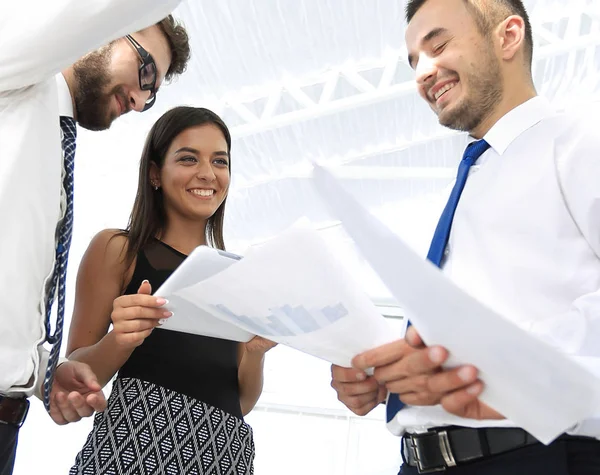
[[203, 192], [447, 87]]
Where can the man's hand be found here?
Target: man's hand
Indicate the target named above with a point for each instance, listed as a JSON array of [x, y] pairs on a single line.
[[404, 367], [357, 391], [414, 371], [75, 393]]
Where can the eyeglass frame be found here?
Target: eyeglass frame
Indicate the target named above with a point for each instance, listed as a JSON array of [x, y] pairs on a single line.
[[147, 60]]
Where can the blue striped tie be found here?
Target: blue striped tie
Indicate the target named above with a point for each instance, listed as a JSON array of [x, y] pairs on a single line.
[[442, 233], [58, 280]]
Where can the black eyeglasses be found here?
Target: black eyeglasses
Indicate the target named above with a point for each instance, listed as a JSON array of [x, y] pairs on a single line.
[[147, 72]]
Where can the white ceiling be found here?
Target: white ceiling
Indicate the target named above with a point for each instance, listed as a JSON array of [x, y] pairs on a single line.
[[311, 80]]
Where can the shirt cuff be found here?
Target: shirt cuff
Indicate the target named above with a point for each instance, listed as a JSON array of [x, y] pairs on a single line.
[[41, 375]]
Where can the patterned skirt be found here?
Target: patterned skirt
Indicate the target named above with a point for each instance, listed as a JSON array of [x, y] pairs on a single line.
[[150, 430]]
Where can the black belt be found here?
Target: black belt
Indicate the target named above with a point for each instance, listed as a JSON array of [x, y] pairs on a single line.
[[13, 411], [445, 447]]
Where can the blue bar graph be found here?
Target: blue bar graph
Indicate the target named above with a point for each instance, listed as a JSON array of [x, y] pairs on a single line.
[[251, 324], [333, 314], [287, 320], [301, 317], [278, 327]]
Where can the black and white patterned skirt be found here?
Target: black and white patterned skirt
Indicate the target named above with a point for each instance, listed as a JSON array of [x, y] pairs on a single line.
[[150, 430]]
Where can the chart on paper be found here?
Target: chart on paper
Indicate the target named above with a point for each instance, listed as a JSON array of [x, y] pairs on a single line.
[[288, 320], [304, 299]]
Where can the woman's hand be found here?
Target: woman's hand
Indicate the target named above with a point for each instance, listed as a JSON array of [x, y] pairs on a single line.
[[135, 316], [258, 344]]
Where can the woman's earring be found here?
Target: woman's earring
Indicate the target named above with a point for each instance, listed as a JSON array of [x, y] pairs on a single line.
[[154, 185]]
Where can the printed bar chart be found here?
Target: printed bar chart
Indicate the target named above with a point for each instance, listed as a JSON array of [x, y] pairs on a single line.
[[288, 320]]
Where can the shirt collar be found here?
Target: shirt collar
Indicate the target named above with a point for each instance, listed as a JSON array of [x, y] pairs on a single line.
[[65, 102], [515, 122]]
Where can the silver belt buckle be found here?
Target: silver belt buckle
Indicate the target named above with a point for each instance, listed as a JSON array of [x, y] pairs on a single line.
[[415, 447], [445, 449]]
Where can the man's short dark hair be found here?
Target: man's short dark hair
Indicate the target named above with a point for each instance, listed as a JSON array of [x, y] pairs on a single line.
[[487, 14], [179, 44]]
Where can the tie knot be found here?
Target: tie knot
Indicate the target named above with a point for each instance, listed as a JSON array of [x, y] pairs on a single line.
[[475, 150]]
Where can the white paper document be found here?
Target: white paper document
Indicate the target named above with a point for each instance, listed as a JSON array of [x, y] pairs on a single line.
[[526, 380], [203, 263], [290, 290]]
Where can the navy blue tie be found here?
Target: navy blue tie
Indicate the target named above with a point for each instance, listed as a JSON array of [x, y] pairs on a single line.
[[58, 280], [442, 233]]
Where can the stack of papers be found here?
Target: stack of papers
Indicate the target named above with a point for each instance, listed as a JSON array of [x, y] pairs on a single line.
[[290, 290]]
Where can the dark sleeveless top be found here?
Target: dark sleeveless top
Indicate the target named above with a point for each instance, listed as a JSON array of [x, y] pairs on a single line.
[[201, 367]]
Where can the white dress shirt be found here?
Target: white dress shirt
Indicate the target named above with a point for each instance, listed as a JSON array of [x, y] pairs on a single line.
[[37, 41], [526, 240]]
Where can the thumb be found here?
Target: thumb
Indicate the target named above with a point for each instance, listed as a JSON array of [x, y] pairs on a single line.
[[413, 338], [87, 377], [145, 288]]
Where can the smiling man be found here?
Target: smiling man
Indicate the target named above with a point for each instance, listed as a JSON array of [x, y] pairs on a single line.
[[140, 46], [520, 232]]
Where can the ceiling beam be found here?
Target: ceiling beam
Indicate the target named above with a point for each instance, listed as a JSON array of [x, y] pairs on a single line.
[[303, 168]]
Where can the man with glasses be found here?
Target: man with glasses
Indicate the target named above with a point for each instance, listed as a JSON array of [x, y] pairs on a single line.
[[43, 94]]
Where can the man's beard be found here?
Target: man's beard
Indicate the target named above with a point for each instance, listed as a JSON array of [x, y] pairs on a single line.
[[486, 91], [92, 100]]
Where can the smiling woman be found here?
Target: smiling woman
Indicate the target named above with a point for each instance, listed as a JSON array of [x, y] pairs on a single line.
[[187, 146], [178, 402], [194, 176]]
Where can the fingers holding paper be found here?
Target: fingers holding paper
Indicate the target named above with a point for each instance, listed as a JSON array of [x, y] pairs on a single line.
[[135, 316], [465, 403], [258, 344], [403, 369], [414, 371], [357, 391]]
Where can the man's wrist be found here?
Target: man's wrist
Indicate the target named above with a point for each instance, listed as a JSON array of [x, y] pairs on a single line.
[[41, 376], [61, 360]]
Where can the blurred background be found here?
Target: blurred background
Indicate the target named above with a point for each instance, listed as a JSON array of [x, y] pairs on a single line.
[[302, 81]]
